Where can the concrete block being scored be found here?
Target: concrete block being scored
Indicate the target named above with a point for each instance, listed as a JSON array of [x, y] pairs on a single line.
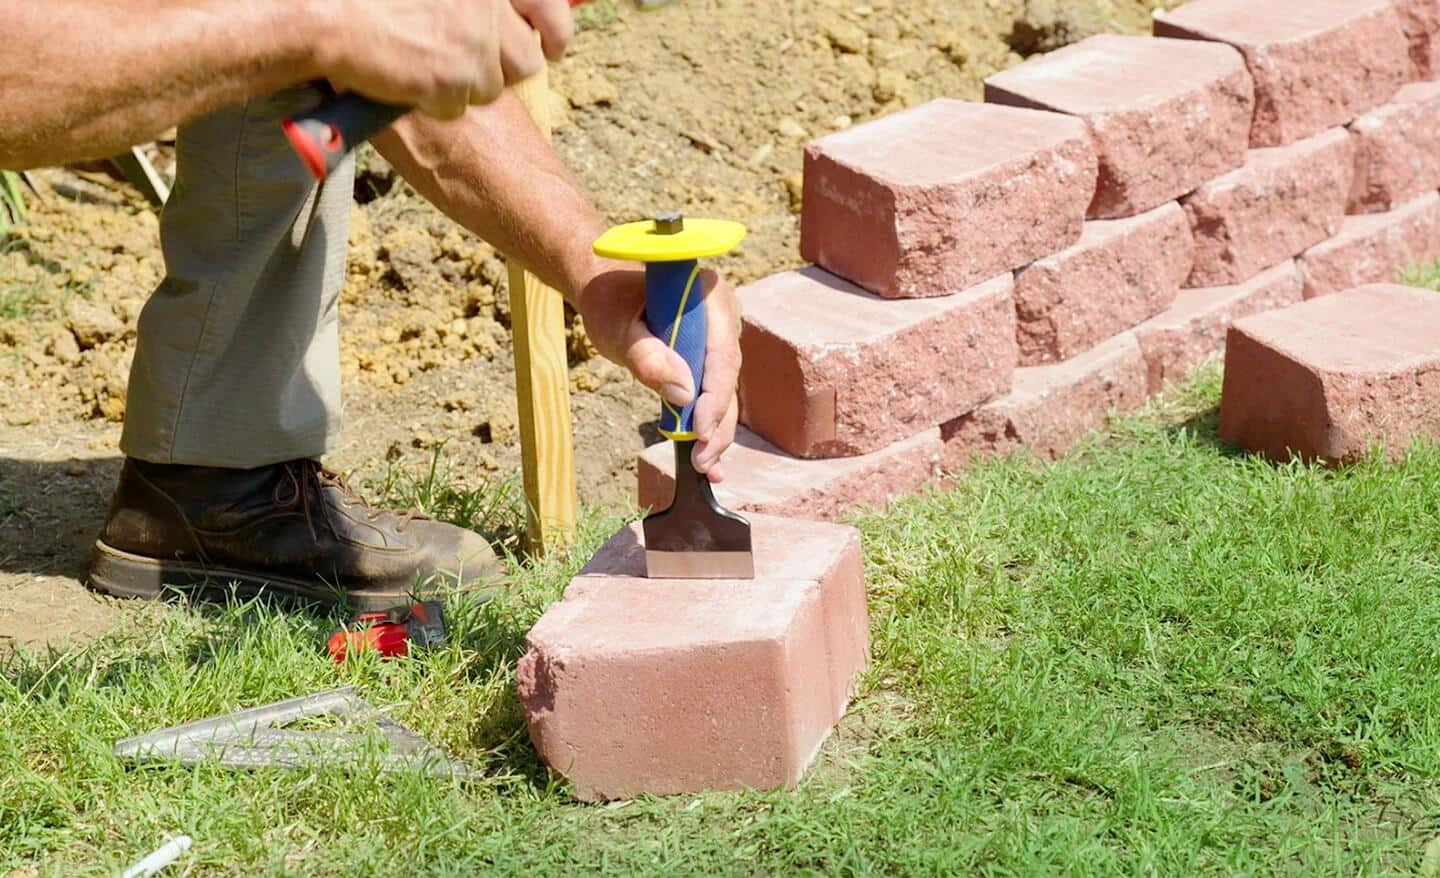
[[935, 199], [1316, 64], [1324, 379], [1121, 273], [831, 370], [1193, 329], [762, 478], [1371, 248], [1283, 200], [1052, 407], [1165, 115], [633, 685]]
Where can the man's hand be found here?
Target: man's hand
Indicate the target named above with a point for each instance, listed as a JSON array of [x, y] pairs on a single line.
[[442, 56], [612, 305]]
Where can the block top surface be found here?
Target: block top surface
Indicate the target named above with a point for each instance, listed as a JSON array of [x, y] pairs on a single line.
[[1379, 328], [1272, 158], [1365, 225], [946, 140], [1109, 72], [813, 306], [772, 476], [1192, 303], [1037, 381], [1250, 23], [612, 608]]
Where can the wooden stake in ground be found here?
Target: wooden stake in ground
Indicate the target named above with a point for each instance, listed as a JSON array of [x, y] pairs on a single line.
[[542, 382]]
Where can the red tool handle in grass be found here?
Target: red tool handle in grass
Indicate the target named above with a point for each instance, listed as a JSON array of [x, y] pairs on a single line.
[[325, 135]]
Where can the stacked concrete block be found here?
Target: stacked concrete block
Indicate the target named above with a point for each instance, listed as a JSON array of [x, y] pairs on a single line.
[[938, 198], [1326, 379], [1316, 64], [765, 479], [1420, 20], [1119, 274], [1193, 329], [1281, 202], [1397, 150], [1371, 247], [834, 371], [1165, 115], [634, 685], [1051, 407]]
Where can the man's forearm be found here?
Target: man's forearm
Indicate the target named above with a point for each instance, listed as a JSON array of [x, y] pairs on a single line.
[[87, 78], [492, 172]]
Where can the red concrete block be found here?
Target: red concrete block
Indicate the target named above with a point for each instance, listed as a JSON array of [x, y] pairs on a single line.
[[833, 371], [1166, 115], [1194, 328], [1325, 379], [633, 685], [1121, 273], [761, 478], [935, 199], [1372, 247], [1316, 64], [1052, 407], [1397, 155], [1282, 201], [1421, 21]]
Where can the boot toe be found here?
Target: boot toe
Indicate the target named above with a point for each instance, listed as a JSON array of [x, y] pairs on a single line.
[[458, 559]]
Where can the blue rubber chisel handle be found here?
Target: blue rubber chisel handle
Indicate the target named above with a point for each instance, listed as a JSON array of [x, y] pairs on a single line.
[[675, 313], [325, 135]]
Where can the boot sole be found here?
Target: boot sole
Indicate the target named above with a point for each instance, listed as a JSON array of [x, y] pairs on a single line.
[[124, 575]]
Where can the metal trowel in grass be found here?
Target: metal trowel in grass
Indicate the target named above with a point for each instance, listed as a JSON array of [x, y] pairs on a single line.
[[695, 537]]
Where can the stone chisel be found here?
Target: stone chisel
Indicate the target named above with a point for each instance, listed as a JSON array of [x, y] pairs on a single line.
[[695, 538]]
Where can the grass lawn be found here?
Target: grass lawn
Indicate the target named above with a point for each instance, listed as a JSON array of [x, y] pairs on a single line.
[[1155, 657]]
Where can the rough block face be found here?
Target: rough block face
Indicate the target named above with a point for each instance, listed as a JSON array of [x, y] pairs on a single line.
[[1052, 407], [1421, 22], [1325, 379], [833, 371], [1397, 154], [1122, 272], [1166, 115], [1282, 201], [633, 685], [762, 478], [1316, 64], [1192, 329], [938, 198], [1371, 248]]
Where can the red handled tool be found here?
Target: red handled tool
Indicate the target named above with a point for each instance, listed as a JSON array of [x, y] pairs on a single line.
[[391, 633], [323, 136]]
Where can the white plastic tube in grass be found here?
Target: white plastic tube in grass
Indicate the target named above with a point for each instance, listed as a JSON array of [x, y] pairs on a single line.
[[163, 856]]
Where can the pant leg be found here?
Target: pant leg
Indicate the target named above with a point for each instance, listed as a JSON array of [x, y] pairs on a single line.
[[237, 357]]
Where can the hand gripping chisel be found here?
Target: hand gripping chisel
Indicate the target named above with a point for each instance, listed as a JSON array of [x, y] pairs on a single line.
[[695, 538]]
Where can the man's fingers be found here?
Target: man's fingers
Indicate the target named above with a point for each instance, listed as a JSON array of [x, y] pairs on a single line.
[[554, 22], [657, 367], [520, 55], [722, 354], [707, 453]]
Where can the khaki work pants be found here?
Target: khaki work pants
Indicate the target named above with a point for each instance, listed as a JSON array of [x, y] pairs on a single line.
[[237, 361]]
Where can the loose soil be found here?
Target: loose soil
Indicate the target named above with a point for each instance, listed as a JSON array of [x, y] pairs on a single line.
[[701, 105]]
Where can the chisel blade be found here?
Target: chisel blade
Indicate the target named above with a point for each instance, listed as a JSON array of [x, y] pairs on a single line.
[[696, 537]]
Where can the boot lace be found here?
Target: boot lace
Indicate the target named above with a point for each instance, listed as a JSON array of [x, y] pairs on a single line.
[[308, 472]]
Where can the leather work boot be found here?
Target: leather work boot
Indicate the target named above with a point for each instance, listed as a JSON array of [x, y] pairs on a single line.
[[295, 528]]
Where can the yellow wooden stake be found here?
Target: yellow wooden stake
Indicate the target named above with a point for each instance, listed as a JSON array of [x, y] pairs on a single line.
[[542, 382]]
